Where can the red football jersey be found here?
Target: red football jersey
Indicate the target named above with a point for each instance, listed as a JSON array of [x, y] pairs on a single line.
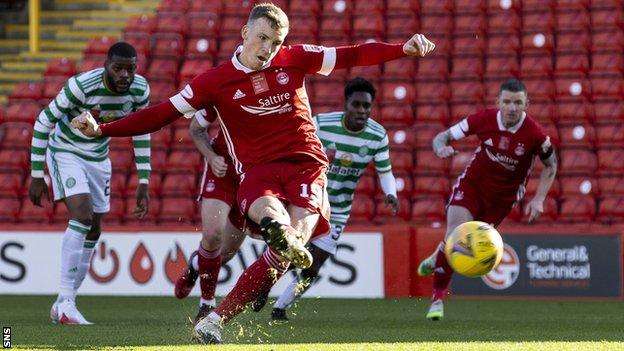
[[265, 114], [504, 159]]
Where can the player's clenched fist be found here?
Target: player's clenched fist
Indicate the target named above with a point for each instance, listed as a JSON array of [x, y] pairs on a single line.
[[444, 152], [86, 124], [418, 45]]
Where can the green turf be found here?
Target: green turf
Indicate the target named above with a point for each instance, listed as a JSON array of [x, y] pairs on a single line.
[[161, 323]]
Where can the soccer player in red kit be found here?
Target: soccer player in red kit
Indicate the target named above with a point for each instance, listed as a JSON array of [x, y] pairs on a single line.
[[264, 114], [494, 181]]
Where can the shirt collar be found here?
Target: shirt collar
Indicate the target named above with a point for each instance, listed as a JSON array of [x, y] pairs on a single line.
[[239, 66], [513, 129]]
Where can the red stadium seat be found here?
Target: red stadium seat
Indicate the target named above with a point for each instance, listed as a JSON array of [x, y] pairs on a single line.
[[577, 161], [369, 25], [504, 22], [187, 161], [161, 139], [507, 44], [579, 186], [462, 110], [442, 7], [91, 63], [537, 42], [372, 73], [99, 45], [14, 160], [22, 111], [30, 213], [192, 68], [155, 183], [441, 24], [9, 209], [573, 41], [467, 91], [60, 67], [607, 87], [160, 91], [203, 24], [403, 92], [177, 6], [427, 163], [574, 112], [182, 138], [542, 110], [118, 184], [402, 160], [577, 88], [51, 88], [15, 134], [26, 91], [470, 24], [501, 67], [336, 8], [117, 210], [121, 160], [434, 68], [432, 92], [170, 46], [469, 45], [571, 5], [610, 161], [611, 209], [306, 25], [172, 24], [363, 208], [163, 70], [366, 185], [140, 24], [470, 6], [467, 67], [610, 135], [607, 40], [495, 6], [396, 114], [550, 214], [179, 185], [177, 210], [572, 20], [543, 21], [305, 7], [404, 185], [611, 185], [608, 18], [401, 137], [531, 186], [369, 6], [576, 62], [579, 208], [539, 88], [428, 185], [606, 63], [609, 110], [395, 7], [536, 66], [402, 25], [11, 185], [436, 112], [335, 25], [326, 90], [424, 132], [429, 209]]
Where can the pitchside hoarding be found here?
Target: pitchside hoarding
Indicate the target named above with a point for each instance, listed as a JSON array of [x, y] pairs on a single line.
[[552, 265], [148, 264]]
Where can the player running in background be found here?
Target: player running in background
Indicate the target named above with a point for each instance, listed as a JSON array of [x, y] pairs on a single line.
[[222, 222], [352, 140], [79, 167], [265, 116], [495, 179]]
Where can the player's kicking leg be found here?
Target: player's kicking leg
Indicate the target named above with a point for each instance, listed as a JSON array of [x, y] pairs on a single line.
[[437, 264]]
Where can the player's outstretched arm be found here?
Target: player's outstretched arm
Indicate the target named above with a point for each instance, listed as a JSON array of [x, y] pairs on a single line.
[[535, 207], [441, 146], [144, 121], [200, 139]]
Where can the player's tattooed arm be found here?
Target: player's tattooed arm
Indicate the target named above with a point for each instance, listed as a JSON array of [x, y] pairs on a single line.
[[202, 143], [550, 165], [441, 146], [535, 207]]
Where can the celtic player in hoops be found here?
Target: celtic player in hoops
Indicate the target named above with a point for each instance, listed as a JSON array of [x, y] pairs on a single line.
[[351, 141], [79, 167]]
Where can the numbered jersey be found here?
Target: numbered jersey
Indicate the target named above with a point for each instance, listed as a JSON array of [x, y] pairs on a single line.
[[349, 154]]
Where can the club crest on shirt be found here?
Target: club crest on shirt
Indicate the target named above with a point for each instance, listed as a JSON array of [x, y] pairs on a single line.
[[458, 196], [346, 159], [127, 106], [503, 143], [282, 78], [519, 149], [363, 151], [210, 186]]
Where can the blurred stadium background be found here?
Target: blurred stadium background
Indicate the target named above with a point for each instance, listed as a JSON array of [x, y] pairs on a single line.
[[567, 52]]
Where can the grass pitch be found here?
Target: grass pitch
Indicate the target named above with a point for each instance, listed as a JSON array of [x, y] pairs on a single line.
[[162, 323]]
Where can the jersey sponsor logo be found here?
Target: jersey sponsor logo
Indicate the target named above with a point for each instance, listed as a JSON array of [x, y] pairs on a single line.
[[267, 105], [343, 171], [519, 149], [312, 48], [187, 92], [503, 143], [505, 161], [238, 94], [346, 159], [282, 78], [210, 186]]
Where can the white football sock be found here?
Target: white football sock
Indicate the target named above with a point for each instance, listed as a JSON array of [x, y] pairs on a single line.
[[211, 302], [85, 261], [71, 252], [294, 290]]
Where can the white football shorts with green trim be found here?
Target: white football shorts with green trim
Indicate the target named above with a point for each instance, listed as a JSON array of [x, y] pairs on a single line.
[[329, 242], [71, 175]]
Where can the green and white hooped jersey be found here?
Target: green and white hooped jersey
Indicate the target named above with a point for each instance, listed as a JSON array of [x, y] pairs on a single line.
[[349, 154], [87, 92]]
